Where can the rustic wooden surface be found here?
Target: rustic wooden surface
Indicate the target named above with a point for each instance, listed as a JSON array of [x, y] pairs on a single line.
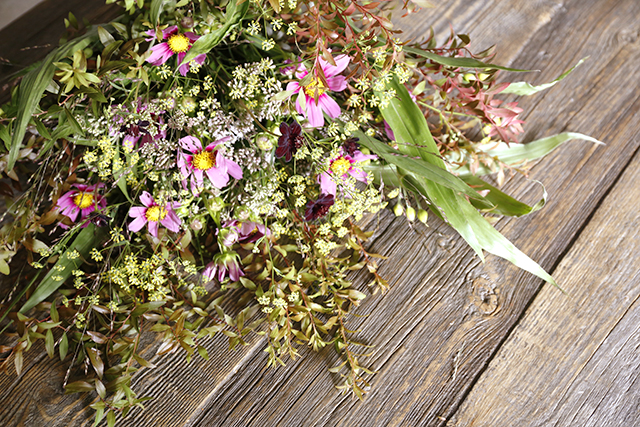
[[458, 342]]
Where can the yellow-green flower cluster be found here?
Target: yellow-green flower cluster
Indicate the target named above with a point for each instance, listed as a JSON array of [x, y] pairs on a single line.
[[148, 275]]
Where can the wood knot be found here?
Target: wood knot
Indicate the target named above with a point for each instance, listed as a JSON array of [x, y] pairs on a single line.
[[627, 36], [484, 295]]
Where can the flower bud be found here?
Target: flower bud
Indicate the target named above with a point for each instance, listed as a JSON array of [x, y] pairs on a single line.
[[411, 214], [264, 142], [397, 209], [423, 215], [187, 22]]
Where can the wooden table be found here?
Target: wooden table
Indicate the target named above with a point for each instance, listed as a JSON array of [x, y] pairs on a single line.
[[458, 342]]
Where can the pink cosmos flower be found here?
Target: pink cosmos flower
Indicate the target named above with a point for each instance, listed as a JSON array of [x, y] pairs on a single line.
[[342, 166], [225, 264], [314, 107], [83, 200], [207, 160], [153, 214], [177, 43]]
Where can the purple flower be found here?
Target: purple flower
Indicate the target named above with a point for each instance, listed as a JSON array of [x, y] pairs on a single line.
[[315, 95], [351, 145], [225, 264], [177, 44], [243, 232], [83, 200], [290, 140], [153, 214], [209, 161], [318, 208], [341, 167]]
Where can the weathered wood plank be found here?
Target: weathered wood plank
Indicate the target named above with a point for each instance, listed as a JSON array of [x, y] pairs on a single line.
[[573, 359], [432, 332]]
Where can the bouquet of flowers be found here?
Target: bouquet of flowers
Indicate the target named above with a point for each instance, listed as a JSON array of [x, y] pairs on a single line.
[[196, 168]]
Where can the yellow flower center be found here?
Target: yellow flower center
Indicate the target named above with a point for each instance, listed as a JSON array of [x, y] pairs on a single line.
[[83, 200], [204, 160], [340, 166], [178, 43], [155, 213], [315, 85]]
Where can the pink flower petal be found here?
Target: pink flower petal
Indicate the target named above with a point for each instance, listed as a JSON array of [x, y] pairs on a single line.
[[153, 228], [330, 70], [137, 211], [358, 174], [218, 178], [337, 83], [327, 185], [233, 169], [160, 53], [293, 87], [329, 106], [171, 221], [191, 36], [200, 58], [137, 224], [184, 68], [146, 199], [169, 31], [191, 144], [314, 113]]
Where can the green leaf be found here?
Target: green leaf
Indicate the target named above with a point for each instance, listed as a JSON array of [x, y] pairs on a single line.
[[96, 361], [155, 10], [147, 306], [203, 352], [78, 387], [49, 344], [42, 129], [503, 203], [458, 62], [75, 126], [524, 88], [33, 86], [204, 44], [105, 37], [54, 312], [418, 166], [84, 241], [512, 154], [63, 347], [5, 136], [413, 137]]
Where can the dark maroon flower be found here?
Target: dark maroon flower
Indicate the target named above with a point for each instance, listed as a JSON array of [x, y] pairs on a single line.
[[318, 208], [351, 145], [290, 140]]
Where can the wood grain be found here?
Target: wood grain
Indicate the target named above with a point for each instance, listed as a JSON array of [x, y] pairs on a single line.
[[446, 315], [573, 359]]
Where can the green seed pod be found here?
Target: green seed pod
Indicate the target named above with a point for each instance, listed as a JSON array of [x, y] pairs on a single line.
[[397, 209], [423, 215], [411, 214]]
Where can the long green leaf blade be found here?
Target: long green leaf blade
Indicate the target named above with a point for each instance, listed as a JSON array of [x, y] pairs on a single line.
[[459, 62], [525, 88], [502, 202], [413, 136], [417, 166], [84, 241]]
